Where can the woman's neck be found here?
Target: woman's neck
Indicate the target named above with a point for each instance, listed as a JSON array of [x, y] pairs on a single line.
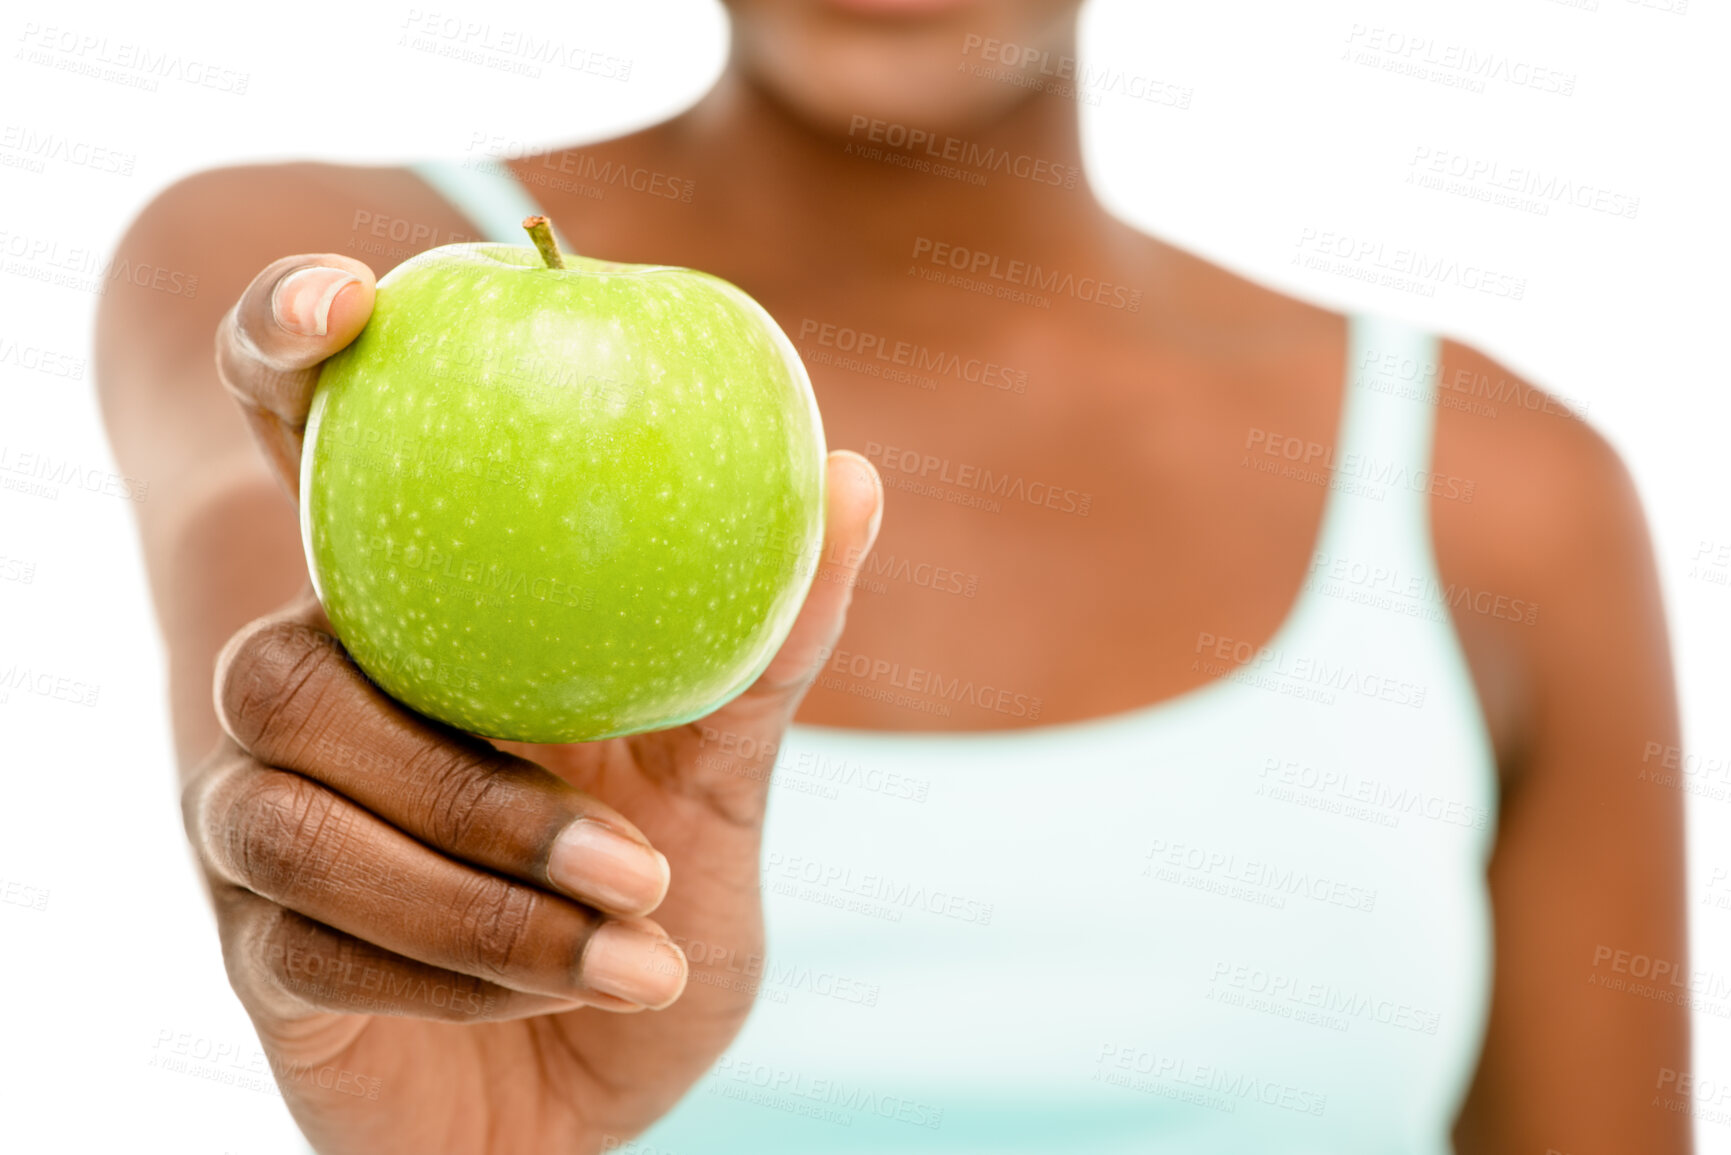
[[1013, 189]]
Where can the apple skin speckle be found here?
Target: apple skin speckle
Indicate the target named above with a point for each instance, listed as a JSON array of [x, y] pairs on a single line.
[[528, 495]]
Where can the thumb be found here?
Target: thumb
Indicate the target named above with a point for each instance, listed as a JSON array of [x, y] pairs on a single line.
[[269, 346], [855, 510], [752, 725]]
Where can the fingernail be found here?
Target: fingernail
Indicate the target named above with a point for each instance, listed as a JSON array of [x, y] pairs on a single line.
[[301, 301], [603, 866], [634, 964]]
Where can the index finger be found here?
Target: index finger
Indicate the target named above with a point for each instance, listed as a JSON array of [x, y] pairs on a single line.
[[296, 313], [288, 694]]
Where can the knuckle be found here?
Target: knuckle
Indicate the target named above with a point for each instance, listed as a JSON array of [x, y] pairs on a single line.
[[279, 835], [195, 798], [248, 926], [270, 678], [279, 945], [243, 332], [457, 793], [248, 364], [493, 922], [235, 354], [312, 964]]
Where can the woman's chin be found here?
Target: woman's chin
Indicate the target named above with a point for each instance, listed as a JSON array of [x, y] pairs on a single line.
[[932, 64], [850, 90]]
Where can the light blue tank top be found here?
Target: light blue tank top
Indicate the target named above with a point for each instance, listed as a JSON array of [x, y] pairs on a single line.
[[1252, 918]]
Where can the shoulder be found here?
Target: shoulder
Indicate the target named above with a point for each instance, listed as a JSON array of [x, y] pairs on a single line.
[[1540, 471], [219, 219], [1533, 482], [186, 258], [196, 245], [1541, 544], [1553, 590], [1548, 489]]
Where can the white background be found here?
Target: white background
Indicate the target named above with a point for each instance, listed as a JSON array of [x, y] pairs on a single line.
[[1626, 317]]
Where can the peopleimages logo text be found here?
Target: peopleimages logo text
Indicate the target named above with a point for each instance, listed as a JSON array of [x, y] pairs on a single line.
[[1365, 257], [978, 263], [955, 150], [1008, 486], [910, 355]]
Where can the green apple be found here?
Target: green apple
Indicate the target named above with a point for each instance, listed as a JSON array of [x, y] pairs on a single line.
[[536, 489]]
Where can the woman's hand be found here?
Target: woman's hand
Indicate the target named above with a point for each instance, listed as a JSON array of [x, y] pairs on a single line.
[[440, 941]]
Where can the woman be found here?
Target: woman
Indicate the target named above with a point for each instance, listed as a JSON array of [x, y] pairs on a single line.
[[1231, 747]]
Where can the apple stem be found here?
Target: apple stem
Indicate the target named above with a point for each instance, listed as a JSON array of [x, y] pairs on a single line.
[[542, 234]]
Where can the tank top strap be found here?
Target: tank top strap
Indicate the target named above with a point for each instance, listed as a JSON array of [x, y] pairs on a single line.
[[485, 191], [1379, 507]]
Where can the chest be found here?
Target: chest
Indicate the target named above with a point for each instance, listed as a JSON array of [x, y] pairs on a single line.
[[1065, 522]]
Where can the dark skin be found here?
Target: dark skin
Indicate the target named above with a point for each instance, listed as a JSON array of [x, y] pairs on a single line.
[[1146, 411]]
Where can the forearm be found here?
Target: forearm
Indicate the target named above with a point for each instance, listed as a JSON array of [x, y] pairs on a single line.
[[218, 532], [232, 555]]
